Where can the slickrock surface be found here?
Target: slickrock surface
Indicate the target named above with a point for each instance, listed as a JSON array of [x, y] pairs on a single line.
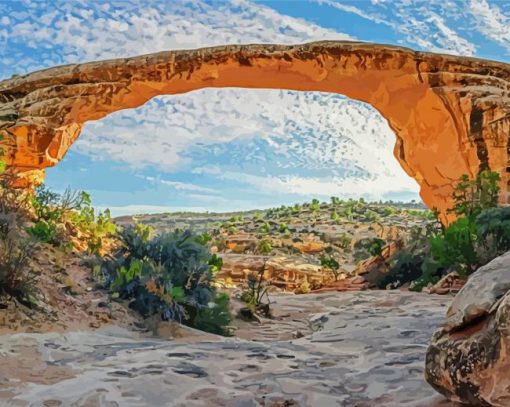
[[451, 115], [361, 349], [468, 357]]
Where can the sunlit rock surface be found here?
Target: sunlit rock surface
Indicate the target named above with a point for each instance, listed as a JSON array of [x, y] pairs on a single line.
[[467, 360], [359, 349], [451, 115]]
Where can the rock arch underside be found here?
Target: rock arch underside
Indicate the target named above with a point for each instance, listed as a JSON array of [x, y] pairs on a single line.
[[450, 115]]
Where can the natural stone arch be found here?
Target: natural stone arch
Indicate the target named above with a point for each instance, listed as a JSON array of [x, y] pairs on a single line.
[[450, 115]]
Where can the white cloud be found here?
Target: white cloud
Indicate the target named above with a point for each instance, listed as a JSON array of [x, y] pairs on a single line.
[[302, 132], [183, 186], [374, 188], [491, 22], [349, 8], [73, 32], [416, 24]]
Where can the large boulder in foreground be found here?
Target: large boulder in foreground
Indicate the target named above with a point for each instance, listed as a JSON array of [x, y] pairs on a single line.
[[468, 359]]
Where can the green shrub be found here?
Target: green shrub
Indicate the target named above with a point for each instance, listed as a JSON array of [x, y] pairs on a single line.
[[329, 262], [283, 228], [265, 246], [367, 247], [170, 275], [494, 227], [52, 209], [455, 246], [44, 231], [388, 211], [264, 228], [344, 241], [216, 263], [472, 196], [430, 275], [372, 216], [253, 296], [315, 205]]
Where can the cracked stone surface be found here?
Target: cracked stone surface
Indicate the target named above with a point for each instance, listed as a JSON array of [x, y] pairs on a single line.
[[365, 349]]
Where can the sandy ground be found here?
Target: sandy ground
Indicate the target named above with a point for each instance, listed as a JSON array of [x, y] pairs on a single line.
[[358, 349]]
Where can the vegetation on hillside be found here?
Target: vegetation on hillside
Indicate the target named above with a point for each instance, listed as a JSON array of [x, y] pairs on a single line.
[[170, 274], [480, 232]]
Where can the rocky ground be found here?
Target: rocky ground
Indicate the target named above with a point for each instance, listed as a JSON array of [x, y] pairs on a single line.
[[67, 299], [332, 349]]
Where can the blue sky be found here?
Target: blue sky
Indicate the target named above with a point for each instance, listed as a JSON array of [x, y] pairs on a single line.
[[232, 149]]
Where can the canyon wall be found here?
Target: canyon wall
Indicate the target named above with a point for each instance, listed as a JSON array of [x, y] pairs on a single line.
[[450, 115]]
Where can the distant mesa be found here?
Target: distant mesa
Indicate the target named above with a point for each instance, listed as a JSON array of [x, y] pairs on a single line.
[[450, 115]]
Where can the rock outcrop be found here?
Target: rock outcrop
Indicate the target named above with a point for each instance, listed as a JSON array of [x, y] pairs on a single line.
[[450, 115], [468, 359], [283, 272]]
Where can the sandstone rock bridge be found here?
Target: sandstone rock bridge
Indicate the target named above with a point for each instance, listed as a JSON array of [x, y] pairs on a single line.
[[450, 115]]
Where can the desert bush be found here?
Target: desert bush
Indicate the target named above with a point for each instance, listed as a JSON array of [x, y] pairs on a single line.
[[366, 247], [53, 210], [372, 216], [457, 246], [315, 206], [454, 248], [344, 240], [265, 246], [264, 228], [494, 227], [170, 275], [253, 296], [329, 262], [44, 231], [480, 233], [283, 228], [17, 279]]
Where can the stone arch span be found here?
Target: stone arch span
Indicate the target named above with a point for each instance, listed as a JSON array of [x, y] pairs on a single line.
[[450, 115]]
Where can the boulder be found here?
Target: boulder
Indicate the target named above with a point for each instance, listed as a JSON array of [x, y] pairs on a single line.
[[467, 360], [449, 284]]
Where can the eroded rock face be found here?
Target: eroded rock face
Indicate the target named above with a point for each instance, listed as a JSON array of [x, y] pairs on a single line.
[[468, 359], [451, 115]]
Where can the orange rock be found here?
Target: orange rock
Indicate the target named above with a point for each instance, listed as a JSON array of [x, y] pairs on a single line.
[[310, 247], [450, 114], [231, 245]]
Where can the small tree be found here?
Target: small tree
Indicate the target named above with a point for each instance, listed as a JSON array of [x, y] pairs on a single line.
[[456, 245], [315, 206], [257, 289], [283, 228], [472, 196], [265, 246], [375, 247], [327, 261]]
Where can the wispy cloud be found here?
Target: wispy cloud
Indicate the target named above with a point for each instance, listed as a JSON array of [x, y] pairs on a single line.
[[50, 33], [416, 24], [491, 22], [374, 188]]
